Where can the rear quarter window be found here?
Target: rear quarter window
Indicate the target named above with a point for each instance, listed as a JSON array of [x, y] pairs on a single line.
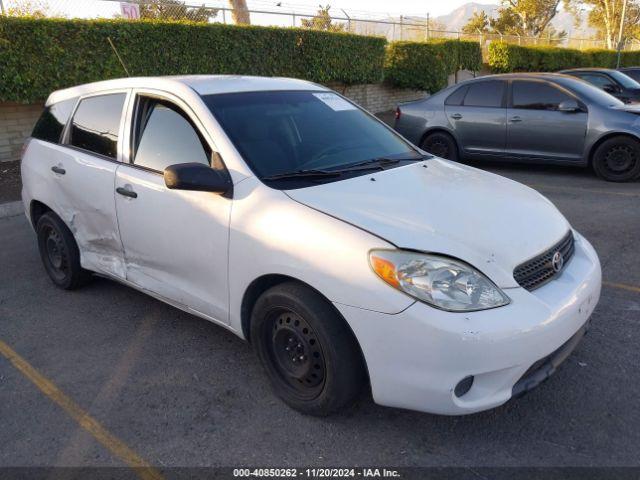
[[51, 123]]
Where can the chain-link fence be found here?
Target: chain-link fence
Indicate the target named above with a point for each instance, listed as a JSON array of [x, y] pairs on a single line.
[[275, 13]]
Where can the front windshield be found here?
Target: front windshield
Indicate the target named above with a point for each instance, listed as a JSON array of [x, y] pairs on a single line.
[[594, 94], [279, 132], [624, 80]]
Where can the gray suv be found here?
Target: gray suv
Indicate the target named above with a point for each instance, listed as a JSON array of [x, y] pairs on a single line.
[[533, 117]]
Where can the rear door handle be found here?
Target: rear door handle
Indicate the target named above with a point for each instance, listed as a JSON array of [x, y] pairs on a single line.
[[456, 116], [126, 192], [515, 119], [58, 170]]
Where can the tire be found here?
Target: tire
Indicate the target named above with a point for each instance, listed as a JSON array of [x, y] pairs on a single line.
[[617, 159], [59, 253], [307, 350], [441, 145]]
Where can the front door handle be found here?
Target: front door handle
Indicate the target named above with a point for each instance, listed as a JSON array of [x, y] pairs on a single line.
[[126, 192], [456, 116], [58, 170], [515, 119]]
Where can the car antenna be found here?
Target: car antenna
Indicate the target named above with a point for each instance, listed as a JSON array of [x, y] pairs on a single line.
[[115, 50]]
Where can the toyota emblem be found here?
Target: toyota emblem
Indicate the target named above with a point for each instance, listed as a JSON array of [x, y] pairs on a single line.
[[557, 262]]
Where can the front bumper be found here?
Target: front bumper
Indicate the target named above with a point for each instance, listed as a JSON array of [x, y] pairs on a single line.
[[417, 357]]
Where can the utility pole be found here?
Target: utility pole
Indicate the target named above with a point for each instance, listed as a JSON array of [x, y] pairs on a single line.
[[624, 10], [1, 8]]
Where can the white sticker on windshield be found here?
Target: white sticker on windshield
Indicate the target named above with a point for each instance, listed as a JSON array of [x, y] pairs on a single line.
[[334, 102]]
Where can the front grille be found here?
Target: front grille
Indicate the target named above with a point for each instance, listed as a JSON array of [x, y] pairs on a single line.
[[539, 270]]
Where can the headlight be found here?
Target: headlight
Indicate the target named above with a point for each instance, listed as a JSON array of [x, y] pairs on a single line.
[[439, 281]]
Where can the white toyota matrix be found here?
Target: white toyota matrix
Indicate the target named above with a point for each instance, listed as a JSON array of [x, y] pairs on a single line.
[[280, 210]]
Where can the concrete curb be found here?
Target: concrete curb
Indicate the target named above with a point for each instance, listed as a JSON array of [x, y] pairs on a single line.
[[11, 209]]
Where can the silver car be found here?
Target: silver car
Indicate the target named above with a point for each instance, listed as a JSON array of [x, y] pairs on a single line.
[[529, 117]]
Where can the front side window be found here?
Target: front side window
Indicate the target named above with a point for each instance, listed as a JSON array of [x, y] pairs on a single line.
[[52, 121], [287, 131], [485, 94], [167, 137], [537, 96], [96, 124]]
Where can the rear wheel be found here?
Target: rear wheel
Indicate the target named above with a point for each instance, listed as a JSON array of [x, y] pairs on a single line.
[[307, 350], [441, 145], [617, 159], [59, 253]]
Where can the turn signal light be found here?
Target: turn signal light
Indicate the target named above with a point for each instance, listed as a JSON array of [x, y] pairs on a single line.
[[385, 270]]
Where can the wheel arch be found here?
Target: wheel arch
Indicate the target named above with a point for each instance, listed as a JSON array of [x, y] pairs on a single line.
[[36, 210], [604, 138], [440, 129], [263, 283]]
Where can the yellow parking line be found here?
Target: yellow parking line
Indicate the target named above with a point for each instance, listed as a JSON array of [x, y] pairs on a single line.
[[115, 446], [622, 286], [580, 189]]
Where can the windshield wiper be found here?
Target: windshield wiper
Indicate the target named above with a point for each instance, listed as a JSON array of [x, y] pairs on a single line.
[[377, 163], [303, 174]]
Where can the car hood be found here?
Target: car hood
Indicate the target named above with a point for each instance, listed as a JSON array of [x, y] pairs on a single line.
[[438, 206]]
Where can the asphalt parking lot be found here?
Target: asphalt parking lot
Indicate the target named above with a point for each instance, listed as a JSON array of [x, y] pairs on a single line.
[[179, 391]]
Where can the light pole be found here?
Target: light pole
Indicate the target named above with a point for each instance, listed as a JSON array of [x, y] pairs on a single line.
[[624, 10]]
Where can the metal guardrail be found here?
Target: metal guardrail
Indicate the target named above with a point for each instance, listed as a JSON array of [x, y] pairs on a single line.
[[414, 28]]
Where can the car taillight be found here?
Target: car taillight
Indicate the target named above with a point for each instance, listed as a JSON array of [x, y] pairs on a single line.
[[398, 113]]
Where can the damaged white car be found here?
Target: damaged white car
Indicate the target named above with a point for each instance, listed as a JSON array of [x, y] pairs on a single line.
[[278, 209]]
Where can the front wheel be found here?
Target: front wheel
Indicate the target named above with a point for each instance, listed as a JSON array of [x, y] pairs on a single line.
[[308, 352], [441, 145], [617, 159]]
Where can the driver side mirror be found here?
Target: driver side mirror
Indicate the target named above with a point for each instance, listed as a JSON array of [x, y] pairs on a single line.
[[197, 177], [569, 106]]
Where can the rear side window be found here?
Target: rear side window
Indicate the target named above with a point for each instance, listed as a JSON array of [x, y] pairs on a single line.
[[537, 96], [96, 124], [456, 97], [597, 80], [485, 94], [52, 121], [167, 137]]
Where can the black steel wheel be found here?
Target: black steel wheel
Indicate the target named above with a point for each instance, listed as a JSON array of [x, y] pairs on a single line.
[[309, 353], [296, 354], [59, 253], [617, 159], [441, 145]]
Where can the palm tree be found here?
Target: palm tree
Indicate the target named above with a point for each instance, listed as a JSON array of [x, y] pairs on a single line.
[[240, 12]]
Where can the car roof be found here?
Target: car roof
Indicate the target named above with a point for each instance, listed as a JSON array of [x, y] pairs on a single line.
[[588, 69], [201, 84], [521, 75]]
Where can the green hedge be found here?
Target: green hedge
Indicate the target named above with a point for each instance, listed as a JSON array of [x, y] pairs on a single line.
[[38, 56], [426, 65], [504, 57]]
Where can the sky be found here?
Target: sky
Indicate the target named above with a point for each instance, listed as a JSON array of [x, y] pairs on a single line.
[[362, 8]]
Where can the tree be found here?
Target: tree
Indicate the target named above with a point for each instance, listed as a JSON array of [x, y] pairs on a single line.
[[29, 8], [174, 10], [605, 16], [322, 21], [527, 18], [479, 22], [240, 12]]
